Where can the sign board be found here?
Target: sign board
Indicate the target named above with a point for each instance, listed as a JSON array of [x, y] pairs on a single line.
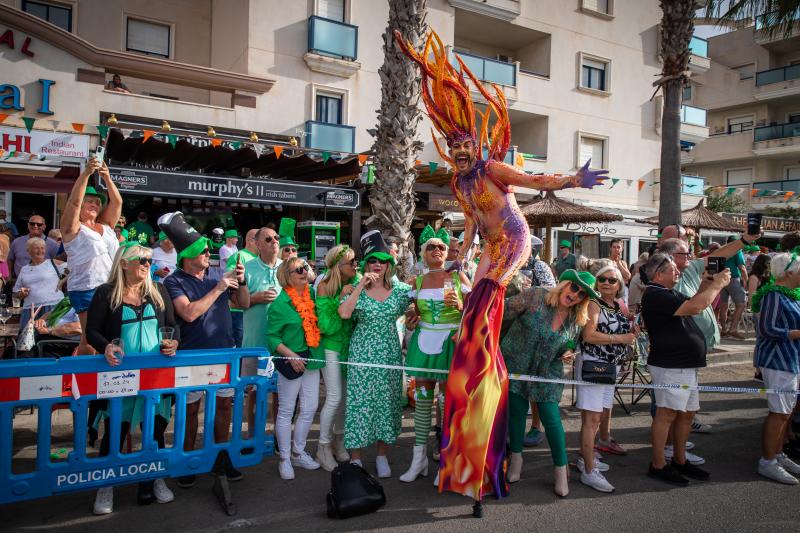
[[117, 383], [44, 143], [206, 187], [612, 229], [780, 225], [443, 202]]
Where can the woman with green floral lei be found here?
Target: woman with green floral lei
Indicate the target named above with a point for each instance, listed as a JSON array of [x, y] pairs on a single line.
[[439, 297], [338, 282]]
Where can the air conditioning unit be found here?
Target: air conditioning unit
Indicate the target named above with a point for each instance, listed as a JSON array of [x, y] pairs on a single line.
[[505, 59]]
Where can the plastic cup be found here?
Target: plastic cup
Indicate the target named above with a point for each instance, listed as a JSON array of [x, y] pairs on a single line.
[[121, 344]]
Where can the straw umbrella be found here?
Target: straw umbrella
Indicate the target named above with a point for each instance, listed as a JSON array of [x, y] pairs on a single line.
[[552, 209], [700, 217]]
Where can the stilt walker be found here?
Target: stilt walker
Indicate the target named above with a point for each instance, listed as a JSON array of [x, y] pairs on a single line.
[[476, 402]]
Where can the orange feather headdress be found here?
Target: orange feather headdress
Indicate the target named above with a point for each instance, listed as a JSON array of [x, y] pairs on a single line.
[[449, 105]]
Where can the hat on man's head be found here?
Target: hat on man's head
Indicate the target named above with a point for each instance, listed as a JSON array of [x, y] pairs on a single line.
[[565, 244], [187, 241], [162, 236], [91, 191], [286, 232], [373, 245], [231, 233]]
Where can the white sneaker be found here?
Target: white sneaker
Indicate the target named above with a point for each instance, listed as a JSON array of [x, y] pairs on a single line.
[[285, 469], [596, 481], [304, 461], [691, 458], [436, 480], [776, 472], [787, 464], [598, 464], [689, 445], [162, 492], [382, 465], [104, 501]]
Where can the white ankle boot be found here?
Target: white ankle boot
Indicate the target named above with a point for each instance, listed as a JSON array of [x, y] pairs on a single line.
[[339, 451], [514, 467], [325, 457], [561, 487], [382, 465], [419, 464]]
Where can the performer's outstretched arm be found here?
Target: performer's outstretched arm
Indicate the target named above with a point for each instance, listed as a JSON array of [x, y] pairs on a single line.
[[584, 178]]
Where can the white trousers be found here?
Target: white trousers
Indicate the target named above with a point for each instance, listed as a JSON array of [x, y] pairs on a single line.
[[306, 388], [331, 417]]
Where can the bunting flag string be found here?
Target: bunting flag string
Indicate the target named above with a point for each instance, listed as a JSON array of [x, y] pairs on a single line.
[[614, 181], [432, 166], [641, 185], [28, 121], [3, 117], [147, 135], [77, 126], [278, 151]]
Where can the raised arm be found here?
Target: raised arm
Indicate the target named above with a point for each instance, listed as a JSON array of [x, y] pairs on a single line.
[[705, 296], [113, 210], [70, 221], [584, 178]]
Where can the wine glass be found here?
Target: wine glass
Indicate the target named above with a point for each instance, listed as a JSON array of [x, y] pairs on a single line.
[[5, 314]]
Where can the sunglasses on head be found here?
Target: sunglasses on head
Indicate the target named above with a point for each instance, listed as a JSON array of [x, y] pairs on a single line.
[[301, 270], [440, 247], [36, 224], [290, 249], [610, 281], [373, 260], [574, 287], [142, 260]]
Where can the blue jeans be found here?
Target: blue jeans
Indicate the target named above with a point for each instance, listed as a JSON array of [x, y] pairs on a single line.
[[237, 318]]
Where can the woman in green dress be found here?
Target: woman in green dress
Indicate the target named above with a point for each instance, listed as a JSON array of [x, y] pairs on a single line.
[[373, 411], [546, 330], [335, 285], [293, 334], [439, 297]]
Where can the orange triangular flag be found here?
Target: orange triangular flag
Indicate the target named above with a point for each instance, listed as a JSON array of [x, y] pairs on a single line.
[[753, 192], [3, 117], [148, 134], [362, 158], [641, 184], [278, 151], [216, 142], [77, 126], [417, 162]]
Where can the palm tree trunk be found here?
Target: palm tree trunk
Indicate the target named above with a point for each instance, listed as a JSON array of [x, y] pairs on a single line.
[[396, 145]]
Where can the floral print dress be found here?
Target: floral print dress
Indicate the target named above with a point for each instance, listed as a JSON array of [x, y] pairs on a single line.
[[373, 411]]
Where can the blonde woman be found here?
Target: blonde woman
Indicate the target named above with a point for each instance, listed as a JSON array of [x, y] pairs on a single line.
[[336, 284], [544, 335], [133, 309]]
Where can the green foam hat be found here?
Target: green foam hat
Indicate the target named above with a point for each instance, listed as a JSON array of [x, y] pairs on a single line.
[[91, 191], [565, 244], [583, 279], [286, 232], [231, 233]]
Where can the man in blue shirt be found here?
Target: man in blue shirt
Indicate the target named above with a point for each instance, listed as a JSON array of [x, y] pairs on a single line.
[[201, 301]]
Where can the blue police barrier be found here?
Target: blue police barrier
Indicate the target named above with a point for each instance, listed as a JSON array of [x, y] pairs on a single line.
[[75, 381]]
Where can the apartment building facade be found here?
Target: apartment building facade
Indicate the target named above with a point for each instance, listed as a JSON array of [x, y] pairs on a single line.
[[577, 74]]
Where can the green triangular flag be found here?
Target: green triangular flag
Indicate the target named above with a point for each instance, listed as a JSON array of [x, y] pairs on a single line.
[[325, 157], [731, 190], [102, 130], [11, 154], [656, 183], [28, 123], [764, 192], [172, 138], [432, 166], [236, 145], [614, 181]]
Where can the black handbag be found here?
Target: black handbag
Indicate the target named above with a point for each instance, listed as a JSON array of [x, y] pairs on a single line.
[[599, 372], [284, 366], [354, 492]]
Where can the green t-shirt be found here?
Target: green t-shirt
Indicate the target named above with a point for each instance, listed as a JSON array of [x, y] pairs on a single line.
[[734, 262], [564, 263], [246, 256], [286, 327], [688, 285], [141, 232], [260, 277]]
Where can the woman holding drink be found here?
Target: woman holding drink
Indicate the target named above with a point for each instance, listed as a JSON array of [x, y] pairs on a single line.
[[132, 314], [439, 299]]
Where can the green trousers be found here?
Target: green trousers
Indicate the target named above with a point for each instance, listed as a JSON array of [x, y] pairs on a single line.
[[551, 420]]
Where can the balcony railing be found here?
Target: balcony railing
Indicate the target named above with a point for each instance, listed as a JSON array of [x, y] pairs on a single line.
[[331, 37], [694, 115], [698, 46], [510, 155], [782, 185], [491, 70], [692, 185], [770, 19], [333, 137], [777, 75], [778, 131]]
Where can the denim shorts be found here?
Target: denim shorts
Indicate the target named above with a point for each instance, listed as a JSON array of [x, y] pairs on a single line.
[[80, 300]]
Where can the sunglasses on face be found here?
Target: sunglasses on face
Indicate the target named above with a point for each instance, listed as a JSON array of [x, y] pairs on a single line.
[[36, 224], [290, 249], [440, 247], [373, 260], [353, 263], [574, 287], [206, 252], [301, 270], [270, 239], [144, 261], [610, 281]]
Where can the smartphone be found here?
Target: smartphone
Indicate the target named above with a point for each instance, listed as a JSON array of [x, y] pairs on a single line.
[[99, 153], [715, 265]]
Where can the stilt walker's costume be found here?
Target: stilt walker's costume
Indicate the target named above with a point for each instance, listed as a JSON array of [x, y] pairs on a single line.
[[476, 404]]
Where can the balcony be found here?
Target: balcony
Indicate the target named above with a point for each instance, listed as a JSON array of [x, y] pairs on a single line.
[[777, 83], [501, 9], [694, 128], [488, 69], [332, 47], [330, 137], [723, 147], [781, 41], [777, 140], [698, 60], [692, 189]]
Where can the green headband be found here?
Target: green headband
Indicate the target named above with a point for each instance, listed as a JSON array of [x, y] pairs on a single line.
[[341, 254]]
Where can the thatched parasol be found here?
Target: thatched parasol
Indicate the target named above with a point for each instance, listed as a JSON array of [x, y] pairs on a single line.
[[700, 217], [552, 209]]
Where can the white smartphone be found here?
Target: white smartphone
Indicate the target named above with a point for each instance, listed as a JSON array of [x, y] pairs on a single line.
[[99, 153]]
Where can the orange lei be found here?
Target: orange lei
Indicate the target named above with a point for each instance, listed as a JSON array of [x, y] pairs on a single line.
[[304, 306]]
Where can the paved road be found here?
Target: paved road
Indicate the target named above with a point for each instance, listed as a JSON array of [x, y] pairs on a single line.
[[736, 499]]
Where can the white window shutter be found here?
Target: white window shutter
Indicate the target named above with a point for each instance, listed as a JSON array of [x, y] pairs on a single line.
[[591, 149], [739, 176], [148, 37], [331, 9]]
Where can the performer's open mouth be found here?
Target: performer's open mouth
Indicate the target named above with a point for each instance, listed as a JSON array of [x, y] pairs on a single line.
[[462, 161]]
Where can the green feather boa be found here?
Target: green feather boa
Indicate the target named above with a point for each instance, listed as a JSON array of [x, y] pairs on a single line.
[[755, 306]]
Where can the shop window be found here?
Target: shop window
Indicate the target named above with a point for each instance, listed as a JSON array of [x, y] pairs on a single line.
[[331, 9], [148, 38], [329, 108], [739, 176], [595, 148], [57, 14], [595, 73], [740, 124]]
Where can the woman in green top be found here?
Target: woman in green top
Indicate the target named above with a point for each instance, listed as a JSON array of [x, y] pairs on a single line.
[[546, 330], [336, 284], [439, 301], [293, 335]]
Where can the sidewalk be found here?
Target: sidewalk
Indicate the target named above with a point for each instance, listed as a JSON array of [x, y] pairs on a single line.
[[732, 351]]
